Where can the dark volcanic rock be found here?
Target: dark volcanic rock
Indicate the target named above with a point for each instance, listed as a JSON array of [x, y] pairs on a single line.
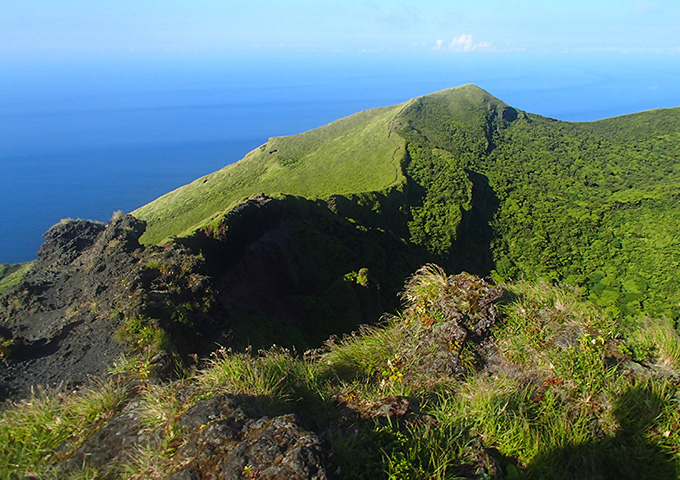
[[88, 280], [65, 242], [51, 315], [226, 443], [111, 445], [218, 438]]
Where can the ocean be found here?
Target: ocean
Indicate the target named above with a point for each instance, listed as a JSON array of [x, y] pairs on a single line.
[[85, 139]]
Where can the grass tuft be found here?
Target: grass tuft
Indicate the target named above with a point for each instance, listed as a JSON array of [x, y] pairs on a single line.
[[33, 432]]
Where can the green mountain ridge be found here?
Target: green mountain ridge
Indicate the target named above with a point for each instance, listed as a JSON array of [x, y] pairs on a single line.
[[484, 187], [360, 153]]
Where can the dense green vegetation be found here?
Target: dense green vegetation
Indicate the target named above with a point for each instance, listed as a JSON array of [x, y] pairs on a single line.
[[592, 204], [557, 391]]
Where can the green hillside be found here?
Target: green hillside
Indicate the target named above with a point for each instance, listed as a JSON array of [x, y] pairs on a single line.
[[594, 204], [483, 187], [354, 154]]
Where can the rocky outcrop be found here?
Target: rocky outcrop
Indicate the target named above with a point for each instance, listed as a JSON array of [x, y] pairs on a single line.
[[227, 443], [219, 438], [281, 271], [452, 323], [66, 320]]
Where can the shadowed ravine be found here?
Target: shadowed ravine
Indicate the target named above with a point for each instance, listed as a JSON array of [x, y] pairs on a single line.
[[472, 251]]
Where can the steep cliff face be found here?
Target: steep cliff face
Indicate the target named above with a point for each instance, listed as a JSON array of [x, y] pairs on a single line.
[[287, 270]]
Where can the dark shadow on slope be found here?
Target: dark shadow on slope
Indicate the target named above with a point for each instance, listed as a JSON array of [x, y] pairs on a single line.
[[627, 455], [472, 252], [293, 271]]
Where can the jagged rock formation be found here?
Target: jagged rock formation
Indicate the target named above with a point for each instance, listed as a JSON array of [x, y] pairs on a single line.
[[461, 311]]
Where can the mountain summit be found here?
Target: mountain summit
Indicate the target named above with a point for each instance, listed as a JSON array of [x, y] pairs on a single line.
[[357, 154]]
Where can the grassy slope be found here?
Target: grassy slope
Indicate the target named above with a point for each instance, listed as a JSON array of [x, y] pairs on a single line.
[[561, 396], [11, 274], [352, 155]]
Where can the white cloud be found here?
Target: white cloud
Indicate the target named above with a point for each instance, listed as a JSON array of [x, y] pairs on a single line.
[[463, 43], [646, 7]]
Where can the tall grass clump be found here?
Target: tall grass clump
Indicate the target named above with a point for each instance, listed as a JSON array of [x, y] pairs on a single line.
[[271, 377], [363, 356], [656, 340], [32, 431]]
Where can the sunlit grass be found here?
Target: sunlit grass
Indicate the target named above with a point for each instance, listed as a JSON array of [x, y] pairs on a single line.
[[550, 401], [352, 155], [31, 431], [11, 279]]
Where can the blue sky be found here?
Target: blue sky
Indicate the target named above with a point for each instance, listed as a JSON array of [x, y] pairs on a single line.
[[120, 29]]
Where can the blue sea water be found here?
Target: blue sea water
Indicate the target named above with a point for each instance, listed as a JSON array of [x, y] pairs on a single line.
[[86, 139]]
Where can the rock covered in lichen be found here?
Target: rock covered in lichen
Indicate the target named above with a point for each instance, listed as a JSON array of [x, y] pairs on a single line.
[[227, 443], [451, 316]]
